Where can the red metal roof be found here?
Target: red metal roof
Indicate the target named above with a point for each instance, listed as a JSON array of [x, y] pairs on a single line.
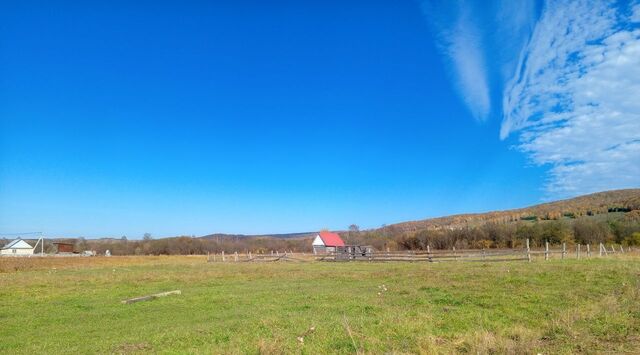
[[331, 239]]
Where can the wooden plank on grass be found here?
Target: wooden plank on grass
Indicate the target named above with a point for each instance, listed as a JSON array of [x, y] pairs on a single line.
[[150, 297]]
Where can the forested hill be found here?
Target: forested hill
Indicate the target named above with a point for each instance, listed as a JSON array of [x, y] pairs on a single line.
[[597, 203], [610, 217], [281, 236]]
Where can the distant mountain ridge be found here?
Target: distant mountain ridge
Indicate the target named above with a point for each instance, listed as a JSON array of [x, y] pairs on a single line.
[[596, 203], [600, 202], [488, 229], [277, 235]]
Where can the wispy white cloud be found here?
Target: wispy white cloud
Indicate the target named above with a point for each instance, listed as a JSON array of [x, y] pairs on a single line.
[[470, 68], [464, 32], [461, 42], [574, 99], [570, 80]]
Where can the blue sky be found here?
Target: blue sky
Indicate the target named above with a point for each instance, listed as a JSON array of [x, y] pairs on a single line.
[[197, 117]]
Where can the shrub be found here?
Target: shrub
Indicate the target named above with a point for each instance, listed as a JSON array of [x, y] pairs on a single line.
[[633, 239]]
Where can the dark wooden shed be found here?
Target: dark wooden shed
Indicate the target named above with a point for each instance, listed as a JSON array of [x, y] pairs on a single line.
[[63, 247], [354, 252]]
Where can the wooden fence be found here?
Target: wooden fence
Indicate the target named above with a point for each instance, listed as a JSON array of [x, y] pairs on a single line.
[[526, 253], [578, 251], [432, 255], [259, 257], [482, 255]]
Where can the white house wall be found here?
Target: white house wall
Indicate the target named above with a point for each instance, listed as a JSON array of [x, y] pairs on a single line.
[[317, 242], [24, 251]]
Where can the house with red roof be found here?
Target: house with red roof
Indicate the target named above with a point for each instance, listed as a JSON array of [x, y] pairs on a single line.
[[326, 242]]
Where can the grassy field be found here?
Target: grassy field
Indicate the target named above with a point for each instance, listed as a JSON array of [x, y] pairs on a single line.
[[73, 306]]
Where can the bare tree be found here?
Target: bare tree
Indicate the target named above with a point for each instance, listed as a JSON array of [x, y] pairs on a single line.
[[353, 232]]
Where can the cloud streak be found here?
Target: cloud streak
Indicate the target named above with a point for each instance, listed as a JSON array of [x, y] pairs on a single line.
[[574, 99], [470, 68], [569, 78], [461, 43]]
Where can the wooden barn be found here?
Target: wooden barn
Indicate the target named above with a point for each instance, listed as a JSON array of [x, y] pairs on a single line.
[[16, 248], [326, 242], [62, 247]]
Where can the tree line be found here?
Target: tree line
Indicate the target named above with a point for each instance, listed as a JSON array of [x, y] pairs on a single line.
[[585, 230], [619, 228], [189, 245]]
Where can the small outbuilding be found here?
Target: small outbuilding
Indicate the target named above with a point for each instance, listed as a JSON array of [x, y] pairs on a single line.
[[326, 242], [62, 247], [17, 247]]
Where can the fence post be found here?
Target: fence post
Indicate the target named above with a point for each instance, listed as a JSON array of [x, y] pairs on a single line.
[[564, 250], [528, 251], [214, 257], [613, 251], [429, 253], [546, 250], [455, 256], [600, 251], [578, 250], [483, 253], [223, 256], [588, 250], [621, 249], [250, 257]]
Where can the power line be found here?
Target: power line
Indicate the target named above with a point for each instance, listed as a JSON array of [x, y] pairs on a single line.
[[15, 234]]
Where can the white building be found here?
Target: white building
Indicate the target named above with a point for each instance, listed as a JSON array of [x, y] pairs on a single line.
[[17, 247], [326, 242]]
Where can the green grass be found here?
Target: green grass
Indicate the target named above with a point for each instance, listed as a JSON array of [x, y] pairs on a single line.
[[517, 307]]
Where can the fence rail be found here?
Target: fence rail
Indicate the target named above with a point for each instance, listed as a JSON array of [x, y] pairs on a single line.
[[253, 257], [436, 256], [483, 255], [526, 253]]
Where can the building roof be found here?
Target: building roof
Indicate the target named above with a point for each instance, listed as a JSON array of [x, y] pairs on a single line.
[[331, 239], [18, 244]]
